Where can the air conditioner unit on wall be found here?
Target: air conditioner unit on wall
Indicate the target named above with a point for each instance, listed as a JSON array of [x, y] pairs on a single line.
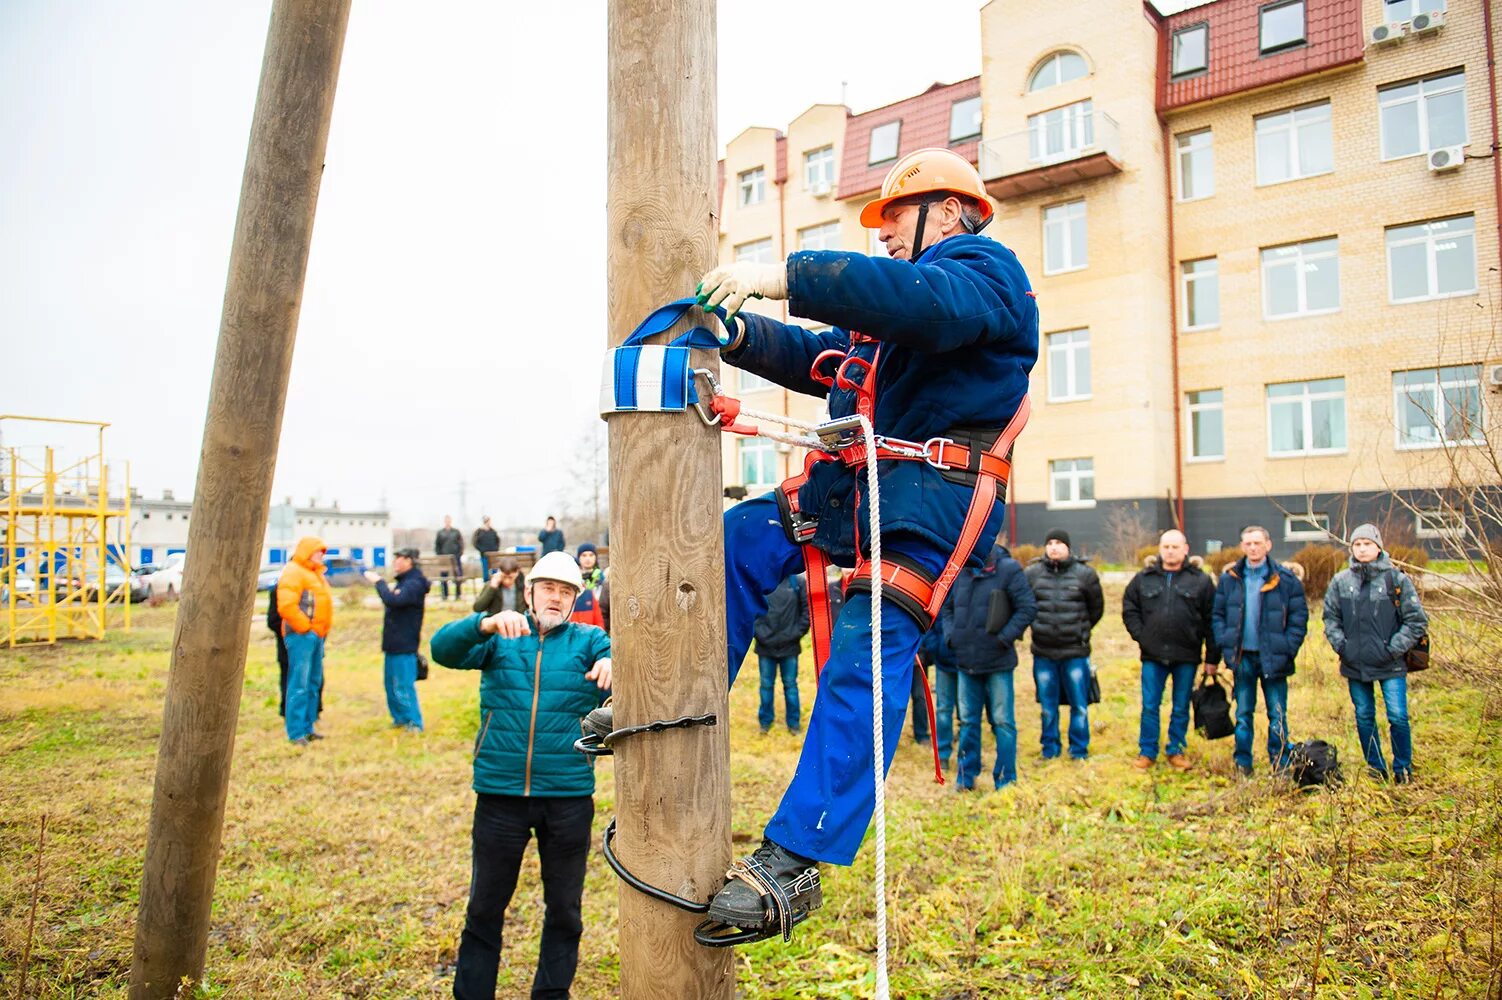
[[821, 190], [1494, 377], [1425, 23], [1386, 34], [1446, 158]]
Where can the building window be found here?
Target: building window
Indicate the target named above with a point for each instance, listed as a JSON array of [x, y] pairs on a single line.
[[1438, 524], [1403, 10], [1064, 237], [818, 168], [1191, 50], [1294, 144], [1438, 406], [964, 119], [758, 464], [753, 186], [1421, 115], [757, 251], [1282, 25], [1071, 482], [1068, 366], [1301, 279], [884, 142], [878, 248], [821, 237], [1306, 418], [1196, 165], [1207, 425], [750, 382], [1061, 67], [1306, 527], [1431, 260], [1061, 134], [1201, 279]]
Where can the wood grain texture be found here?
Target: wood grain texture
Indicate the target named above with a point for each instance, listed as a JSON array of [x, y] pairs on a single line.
[[667, 553], [268, 260]]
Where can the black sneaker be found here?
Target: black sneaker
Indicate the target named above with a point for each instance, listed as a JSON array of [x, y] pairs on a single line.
[[1244, 771], [743, 903], [600, 722], [1402, 777]]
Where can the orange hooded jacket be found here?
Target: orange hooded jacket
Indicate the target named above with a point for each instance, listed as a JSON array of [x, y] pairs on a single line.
[[303, 597]]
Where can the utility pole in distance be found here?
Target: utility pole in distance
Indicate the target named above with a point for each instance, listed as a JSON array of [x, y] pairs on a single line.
[[268, 262], [667, 570]]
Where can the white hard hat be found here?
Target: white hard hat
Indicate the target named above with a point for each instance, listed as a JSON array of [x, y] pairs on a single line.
[[560, 567]]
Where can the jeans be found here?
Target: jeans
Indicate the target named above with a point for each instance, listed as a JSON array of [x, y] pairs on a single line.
[[1248, 676], [946, 694], [993, 692], [920, 704], [1154, 680], [401, 689], [503, 825], [458, 575], [787, 666], [304, 682], [1395, 697], [1074, 674], [828, 804]]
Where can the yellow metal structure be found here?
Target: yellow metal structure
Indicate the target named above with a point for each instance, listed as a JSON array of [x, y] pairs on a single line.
[[64, 544]]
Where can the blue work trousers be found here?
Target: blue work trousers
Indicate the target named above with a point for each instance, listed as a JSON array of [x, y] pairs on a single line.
[[991, 693], [1275, 691], [771, 668], [946, 695], [1154, 679], [1395, 697], [401, 689], [1066, 680], [304, 680], [828, 805]]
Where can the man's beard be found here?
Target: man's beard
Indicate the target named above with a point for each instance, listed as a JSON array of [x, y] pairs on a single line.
[[549, 620]]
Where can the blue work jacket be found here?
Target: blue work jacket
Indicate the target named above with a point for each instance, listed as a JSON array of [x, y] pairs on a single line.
[[976, 650], [1283, 620]]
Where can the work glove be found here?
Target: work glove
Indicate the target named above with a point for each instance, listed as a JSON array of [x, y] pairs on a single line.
[[730, 286]]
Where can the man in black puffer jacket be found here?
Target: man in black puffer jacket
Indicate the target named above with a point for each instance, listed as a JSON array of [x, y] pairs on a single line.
[[1070, 602], [1167, 610], [779, 639], [987, 658]]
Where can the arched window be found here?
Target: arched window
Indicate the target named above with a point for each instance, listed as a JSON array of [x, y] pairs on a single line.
[[1061, 67]]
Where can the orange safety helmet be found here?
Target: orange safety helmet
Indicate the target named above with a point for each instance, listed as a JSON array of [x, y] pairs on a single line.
[[928, 170]]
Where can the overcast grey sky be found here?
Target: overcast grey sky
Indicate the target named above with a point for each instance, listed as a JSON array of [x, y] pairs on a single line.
[[438, 260]]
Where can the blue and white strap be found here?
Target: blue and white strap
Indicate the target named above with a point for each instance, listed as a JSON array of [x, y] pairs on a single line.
[[641, 377]]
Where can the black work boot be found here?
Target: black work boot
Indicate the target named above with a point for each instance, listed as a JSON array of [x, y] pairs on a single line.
[[600, 722], [746, 901]]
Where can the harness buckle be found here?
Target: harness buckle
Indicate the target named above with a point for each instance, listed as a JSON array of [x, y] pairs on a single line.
[[839, 433], [904, 449], [933, 450]]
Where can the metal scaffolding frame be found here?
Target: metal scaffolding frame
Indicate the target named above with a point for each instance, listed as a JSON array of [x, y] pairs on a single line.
[[61, 529]]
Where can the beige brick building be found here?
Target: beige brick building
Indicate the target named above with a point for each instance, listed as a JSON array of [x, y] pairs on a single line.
[[1266, 288]]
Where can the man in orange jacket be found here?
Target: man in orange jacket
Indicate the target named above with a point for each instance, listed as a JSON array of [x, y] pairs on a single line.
[[306, 604]]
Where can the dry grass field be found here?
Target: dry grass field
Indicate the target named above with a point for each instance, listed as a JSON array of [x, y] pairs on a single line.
[[345, 865]]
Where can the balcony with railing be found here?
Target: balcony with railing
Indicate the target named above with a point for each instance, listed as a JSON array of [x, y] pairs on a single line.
[[1058, 148]]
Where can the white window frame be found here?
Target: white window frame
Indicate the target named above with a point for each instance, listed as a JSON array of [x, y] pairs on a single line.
[[1306, 403], [762, 449], [1262, 13], [757, 251], [896, 127], [954, 110], [819, 172], [1075, 476], [1441, 88], [1067, 355], [1316, 527], [1186, 280], [751, 382], [878, 248], [1194, 407], [1423, 527], [828, 236], [1439, 416], [1200, 142], [1173, 55], [1431, 242], [1406, 10], [1299, 261], [1063, 216], [1077, 125], [1275, 121], [752, 185], [1054, 62]]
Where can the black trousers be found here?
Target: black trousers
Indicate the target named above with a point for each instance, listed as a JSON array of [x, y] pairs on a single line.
[[503, 825]]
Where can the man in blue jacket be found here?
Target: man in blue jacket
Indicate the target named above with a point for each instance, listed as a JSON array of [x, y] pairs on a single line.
[[540, 674], [1260, 618], [986, 652], [401, 636], [779, 639], [933, 344]]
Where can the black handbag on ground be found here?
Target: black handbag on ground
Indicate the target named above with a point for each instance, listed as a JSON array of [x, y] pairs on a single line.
[[1312, 763], [422, 667], [1212, 709], [1093, 698]]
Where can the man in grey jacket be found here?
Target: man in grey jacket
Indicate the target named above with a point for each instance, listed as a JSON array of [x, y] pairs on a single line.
[[1372, 618]]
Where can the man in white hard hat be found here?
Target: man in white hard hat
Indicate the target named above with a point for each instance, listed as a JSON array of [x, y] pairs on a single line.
[[540, 674]]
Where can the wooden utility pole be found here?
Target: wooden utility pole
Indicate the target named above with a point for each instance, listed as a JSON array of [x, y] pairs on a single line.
[[666, 552], [268, 261]]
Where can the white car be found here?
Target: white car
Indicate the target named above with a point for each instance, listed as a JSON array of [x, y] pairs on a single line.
[[26, 587], [168, 581]]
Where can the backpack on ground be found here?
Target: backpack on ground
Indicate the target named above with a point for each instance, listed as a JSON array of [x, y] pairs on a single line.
[[1313, 762], [1212, 710]]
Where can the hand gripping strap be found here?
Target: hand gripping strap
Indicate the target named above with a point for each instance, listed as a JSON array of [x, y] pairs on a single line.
[[638, 376]]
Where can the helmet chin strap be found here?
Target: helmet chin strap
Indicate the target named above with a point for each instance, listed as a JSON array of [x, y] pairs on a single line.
[[918, 233]]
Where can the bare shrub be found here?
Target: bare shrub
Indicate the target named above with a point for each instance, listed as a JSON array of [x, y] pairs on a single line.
[[1321, 563], [1216, 562], [1126, 530], [1026, 553]]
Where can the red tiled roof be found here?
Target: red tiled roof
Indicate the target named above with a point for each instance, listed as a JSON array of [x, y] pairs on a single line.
[[925, 122], [1332, 29]]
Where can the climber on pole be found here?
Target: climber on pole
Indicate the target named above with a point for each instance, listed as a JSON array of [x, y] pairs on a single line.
[[933, 346]]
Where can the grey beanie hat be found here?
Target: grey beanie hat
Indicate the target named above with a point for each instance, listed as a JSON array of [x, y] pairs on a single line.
[[1367, 531]]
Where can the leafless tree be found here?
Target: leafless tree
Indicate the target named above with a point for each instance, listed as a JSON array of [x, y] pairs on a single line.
[[584, 499]]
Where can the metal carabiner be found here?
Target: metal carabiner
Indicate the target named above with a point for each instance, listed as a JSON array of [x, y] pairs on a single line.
[[710, 419]]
